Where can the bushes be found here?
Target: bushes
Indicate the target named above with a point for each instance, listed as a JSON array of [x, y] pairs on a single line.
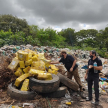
[[47, 37], [1, 42], [32, 41], [101, 53]]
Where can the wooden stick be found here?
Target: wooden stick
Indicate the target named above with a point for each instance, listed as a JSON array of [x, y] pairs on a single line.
[[11, 103], [5, 101]]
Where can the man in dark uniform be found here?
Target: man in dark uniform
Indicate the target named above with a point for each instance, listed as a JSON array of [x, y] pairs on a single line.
[[71, 66], [94, 67]]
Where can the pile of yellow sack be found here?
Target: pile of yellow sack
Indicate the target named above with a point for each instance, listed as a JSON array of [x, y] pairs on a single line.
[[30, 63]]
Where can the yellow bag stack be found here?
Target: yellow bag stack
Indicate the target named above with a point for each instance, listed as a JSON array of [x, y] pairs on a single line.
[[19, 72], [34, 72], [26, 70], [29, 63], [25, 86], [20, 79], [21, 63], [14, 64]]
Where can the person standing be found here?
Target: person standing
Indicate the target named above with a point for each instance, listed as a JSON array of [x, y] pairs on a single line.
[[94, 67], [71, 66]]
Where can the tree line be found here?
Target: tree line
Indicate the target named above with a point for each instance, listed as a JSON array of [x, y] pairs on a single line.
[[16, 31]]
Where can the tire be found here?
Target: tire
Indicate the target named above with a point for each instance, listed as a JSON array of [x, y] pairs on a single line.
[[57, 94], [67, 82], [20, 95], [41, 86]]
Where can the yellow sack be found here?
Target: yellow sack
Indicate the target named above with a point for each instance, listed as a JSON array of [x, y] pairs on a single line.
[[52, 71], [29, 55], [38, 65], [34, 72], [23, 56], [29, 62], [49, 76], [16, 107], [26, 70], [35, 58], [25, 85], [41, 56], [42, 76], [21, 63], [16, 55], [34, 53], [47, 62], [20, 79], [14, 64], [19, 72], [54, 67], [68, 103]]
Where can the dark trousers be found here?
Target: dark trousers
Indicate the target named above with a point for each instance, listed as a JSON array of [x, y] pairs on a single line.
[[94, 79]]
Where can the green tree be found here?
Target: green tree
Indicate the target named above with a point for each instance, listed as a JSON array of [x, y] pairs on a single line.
[[17, 38], [87, 37], [33, 41], [5, 35], [15, 24], [1, 42], [69, 35], [34, 31]]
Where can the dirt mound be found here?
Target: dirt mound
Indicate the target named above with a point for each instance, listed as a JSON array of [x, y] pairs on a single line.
[[6, 75]]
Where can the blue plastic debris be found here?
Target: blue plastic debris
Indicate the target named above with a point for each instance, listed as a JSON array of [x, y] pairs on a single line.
[[84, 67]]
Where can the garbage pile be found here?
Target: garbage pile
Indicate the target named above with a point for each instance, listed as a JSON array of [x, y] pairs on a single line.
[[6, 50], [52, 53]]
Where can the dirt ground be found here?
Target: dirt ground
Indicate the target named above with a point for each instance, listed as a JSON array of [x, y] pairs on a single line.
[[44, 102]]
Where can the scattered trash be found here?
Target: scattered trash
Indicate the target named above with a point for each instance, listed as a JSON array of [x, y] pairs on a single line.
[[28, 104], [68, 103], [7, 76], [67, 96]]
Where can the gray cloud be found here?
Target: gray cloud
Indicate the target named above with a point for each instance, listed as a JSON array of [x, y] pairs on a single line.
[[61, 13], [68, 10]]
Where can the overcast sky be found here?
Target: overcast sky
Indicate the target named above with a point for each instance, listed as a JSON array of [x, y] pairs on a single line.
[[59, 14]]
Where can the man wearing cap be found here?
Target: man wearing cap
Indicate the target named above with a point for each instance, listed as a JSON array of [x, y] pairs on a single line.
[[71, 66], [94, 67]]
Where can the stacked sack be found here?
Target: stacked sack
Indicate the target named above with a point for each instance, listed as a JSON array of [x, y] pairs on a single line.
[[29, 63]]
